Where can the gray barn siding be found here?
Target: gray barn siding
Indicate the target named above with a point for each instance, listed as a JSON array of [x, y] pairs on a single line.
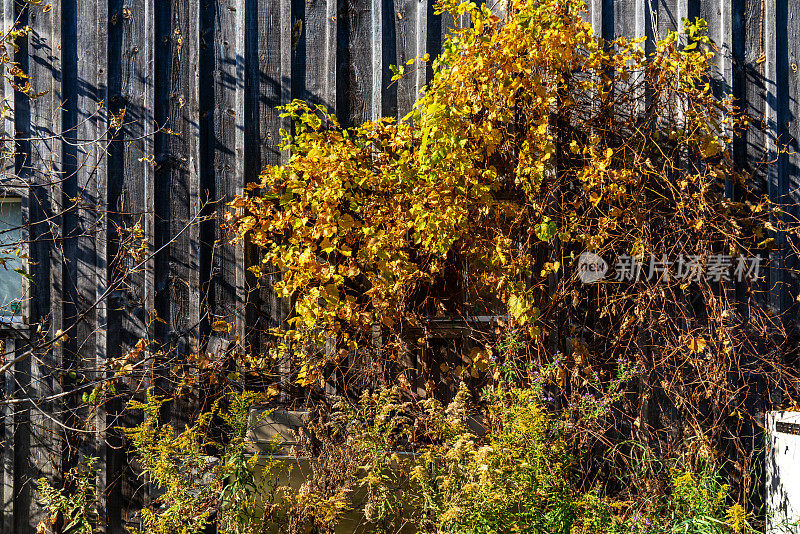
[[213, 72]]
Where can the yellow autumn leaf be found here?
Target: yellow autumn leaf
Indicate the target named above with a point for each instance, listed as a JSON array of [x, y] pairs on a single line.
[[695, 344], [326, 246], [346, 222]]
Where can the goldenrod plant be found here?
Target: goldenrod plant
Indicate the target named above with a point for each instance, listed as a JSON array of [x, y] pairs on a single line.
[[76, 508], [198, 480]]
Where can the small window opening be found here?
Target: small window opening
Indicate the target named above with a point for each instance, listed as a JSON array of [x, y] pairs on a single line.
[[13, 271]]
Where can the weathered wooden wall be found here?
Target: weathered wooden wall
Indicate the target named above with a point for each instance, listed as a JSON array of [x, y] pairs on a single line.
[[212, 72]]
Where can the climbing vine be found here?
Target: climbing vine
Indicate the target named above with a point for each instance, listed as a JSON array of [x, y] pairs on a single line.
[[534, 143]]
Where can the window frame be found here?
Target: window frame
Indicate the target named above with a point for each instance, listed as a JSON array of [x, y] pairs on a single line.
[[12, 193]]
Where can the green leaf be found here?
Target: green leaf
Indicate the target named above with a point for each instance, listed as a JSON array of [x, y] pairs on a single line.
[[546, 229], [24, 274]]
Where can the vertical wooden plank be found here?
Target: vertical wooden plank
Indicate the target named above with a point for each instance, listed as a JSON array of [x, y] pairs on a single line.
[[646, 12], [682, 11], [687, 9], [744, 45], [754, 90], [227, 261], [774, 123], [47, 122], [91, 242], [775, 119], [791, 40], [667, 17], [388, 54], [9, 432], [28, 455], [631, 19], [177, 174], [206, 65], [736, 45], [355, 60], [376, 41], [176, 86], [724, 38], [41, 169], [596, 17], [359, 86], [279, 64], [7, 102], [53, 179], [130, 199], [312, 41], [169, 159], [271, 59], [130, 177], [430, 31], [193, 120], [628, 17], [608, 19], [136, 488], [719, 16], [99, 184], [66, 197], [411, 23], [182, 92], [240, 140], [753, 94]]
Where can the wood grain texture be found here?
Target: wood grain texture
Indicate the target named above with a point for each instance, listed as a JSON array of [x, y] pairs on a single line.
[[311, 39], [177, 179], [9, 459], [226, 291], [355, 62], [410, 44], [14, 438], [7, 121], [792, 138], [595, 8], [40, 166], [91, 254], [271, 56], [285, 59], [775, 122], [627, 17], [130, 191], [131, 203]]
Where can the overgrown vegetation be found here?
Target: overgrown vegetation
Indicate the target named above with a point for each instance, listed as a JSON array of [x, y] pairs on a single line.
[[412, 465], [534, 142]]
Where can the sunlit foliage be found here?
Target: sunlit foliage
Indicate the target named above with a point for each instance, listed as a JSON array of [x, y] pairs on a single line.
[[534, 142]]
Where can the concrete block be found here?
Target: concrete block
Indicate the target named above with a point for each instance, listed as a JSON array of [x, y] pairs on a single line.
[[783, 472], [269, 427]]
